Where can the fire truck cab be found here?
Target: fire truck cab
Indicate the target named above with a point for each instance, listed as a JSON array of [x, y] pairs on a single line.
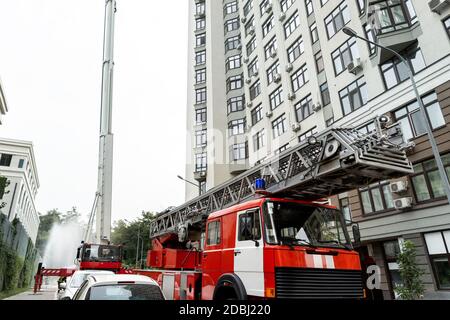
[[259, 249], [99, 257]]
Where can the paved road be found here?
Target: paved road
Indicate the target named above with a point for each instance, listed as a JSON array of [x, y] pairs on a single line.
[[47, 293]]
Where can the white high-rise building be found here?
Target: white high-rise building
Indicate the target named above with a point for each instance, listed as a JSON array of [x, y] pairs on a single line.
[[18, 165]]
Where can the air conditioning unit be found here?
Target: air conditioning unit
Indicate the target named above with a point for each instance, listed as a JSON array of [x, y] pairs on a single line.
[[248, 81], [438, 6], [249, 105], [291, 96], [243, 19], [268, 8], [277, 78], [316, 107], [251, 30], [282, 16], [273, 54], [245, 60], [398, 186], [354, 66], [403, 203], [269, 114], [289, 67], [296, 127]]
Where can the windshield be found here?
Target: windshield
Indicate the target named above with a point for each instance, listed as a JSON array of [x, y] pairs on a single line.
[[125, 292], [298, 224], [97, 253], [78, 278]]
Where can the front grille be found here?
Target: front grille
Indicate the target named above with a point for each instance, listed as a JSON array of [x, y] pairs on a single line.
[[298, 283]]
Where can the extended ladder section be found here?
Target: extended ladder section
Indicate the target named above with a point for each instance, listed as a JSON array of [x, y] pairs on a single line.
[[335, 161]]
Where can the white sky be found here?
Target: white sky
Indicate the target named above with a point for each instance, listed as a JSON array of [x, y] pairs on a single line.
[[50, 67]]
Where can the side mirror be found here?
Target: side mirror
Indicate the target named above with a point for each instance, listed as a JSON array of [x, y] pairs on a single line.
[[78, 253], [356, 235]]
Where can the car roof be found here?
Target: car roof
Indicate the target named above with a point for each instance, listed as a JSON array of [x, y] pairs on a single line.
[[115, 278], [92, 272]]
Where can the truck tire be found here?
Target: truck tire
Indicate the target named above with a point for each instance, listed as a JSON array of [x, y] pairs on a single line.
[[230, 287]]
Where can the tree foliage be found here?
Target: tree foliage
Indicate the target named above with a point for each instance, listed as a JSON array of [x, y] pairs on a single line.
[[412, 287], [4, 183], [129, 233]]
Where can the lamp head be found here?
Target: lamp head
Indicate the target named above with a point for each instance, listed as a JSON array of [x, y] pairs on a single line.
[[349, 31]]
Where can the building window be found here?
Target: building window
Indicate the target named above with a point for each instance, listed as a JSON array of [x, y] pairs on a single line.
[[447, 25], [325, 94], [233, 62], [200, 138], [268, 25], [295, 50], [282, 149], [256, 114], [344, 204], [232, 43], [235, 104], [249, 26], [337, 19], [200, 116], [291, 24], [255, 90], [410, 117], [253, 68], [200, 24], [376, 198], [247, 7], [200, 76], [286, 4], [343, 55], [258, 140], [276, 98], [251, 46], [394, 71], [264, 5], [200, 162], [5, 160], [319, 62], [236, 127], [391, 252], [279, 126], [200, 40], [299, 78], [239, 151], [370, 35], [230, 8], [426, 180], [367, 128], [354, 96], [213, 237], [394, 15], [200, 95], [307, 134], [200, 57], [309, 7], [323, 2], [232, 24], [273, 72], [200, 8], [438, 245], [314, 33], [270, 48], [21, 163], [361, 6], [303, 109], [234, 82]]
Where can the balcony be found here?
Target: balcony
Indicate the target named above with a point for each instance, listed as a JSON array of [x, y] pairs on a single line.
[[395, 25]]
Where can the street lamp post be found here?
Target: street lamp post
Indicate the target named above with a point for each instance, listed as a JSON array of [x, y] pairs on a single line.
[[350, 32], [198, 185]]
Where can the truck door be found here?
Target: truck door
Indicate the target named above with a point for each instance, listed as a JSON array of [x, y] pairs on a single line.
[[248, 252], [212, 258]]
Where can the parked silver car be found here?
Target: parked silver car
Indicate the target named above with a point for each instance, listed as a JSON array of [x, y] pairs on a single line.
[[67, 289]]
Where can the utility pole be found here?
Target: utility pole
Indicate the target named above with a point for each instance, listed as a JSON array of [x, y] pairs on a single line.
[[105, 163]]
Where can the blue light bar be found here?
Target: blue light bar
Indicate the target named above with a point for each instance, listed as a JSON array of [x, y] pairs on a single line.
[[260, 184]]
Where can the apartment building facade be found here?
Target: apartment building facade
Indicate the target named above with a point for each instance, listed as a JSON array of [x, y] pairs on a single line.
[[266, 74], [18, 165]]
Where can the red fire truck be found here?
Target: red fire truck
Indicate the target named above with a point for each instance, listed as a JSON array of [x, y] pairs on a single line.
[[270, 233], [99, 257]]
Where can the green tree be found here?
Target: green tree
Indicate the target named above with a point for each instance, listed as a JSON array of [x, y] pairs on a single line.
[[4, 183], [129, 233], [412, 287]]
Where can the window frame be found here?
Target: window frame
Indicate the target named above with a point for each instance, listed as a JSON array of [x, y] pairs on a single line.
[[380, 186]]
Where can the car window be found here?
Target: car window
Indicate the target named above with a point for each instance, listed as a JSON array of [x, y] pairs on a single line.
[[125, 292], [77, 294]]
